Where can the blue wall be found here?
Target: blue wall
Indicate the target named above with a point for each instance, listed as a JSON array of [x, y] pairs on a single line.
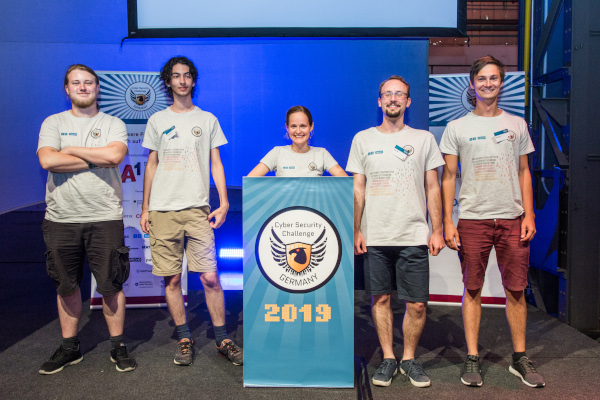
[[247, 83]]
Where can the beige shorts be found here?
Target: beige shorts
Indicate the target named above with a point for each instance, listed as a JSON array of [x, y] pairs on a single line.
[[171, 231]]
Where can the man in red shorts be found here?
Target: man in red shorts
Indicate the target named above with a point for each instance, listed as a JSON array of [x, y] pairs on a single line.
[[496, 205]]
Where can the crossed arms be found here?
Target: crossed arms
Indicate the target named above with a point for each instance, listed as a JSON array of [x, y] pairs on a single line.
[[74, 159]]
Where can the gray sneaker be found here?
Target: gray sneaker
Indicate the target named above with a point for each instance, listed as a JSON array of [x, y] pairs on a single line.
[[472, 372], [385, 372], [525, 370], [185, 352], [231, 351], [414, 371]]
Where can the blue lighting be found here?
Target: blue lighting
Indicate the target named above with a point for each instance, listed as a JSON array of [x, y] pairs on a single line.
[[232, 280], [231, 253]]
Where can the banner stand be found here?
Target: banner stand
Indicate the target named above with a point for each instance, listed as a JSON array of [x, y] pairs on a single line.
[[298, 282]]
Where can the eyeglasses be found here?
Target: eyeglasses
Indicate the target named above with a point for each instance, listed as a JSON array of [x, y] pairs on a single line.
[[389, 95]]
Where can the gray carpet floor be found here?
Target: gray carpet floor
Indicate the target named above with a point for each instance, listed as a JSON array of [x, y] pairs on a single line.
[[569, 360], [30, 332]]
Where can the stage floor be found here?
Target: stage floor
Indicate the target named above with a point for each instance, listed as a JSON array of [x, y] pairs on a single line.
[[569, 360], [30, 332]]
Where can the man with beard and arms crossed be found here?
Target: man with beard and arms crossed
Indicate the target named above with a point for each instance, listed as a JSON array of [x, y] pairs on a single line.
[[184, 146], [395, 182], [82, 148], [496, 209]]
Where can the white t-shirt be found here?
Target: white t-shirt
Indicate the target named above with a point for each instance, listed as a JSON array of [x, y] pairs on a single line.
[[286, 162], [183, 142], [488, 149], [85, 196], [395, 212]]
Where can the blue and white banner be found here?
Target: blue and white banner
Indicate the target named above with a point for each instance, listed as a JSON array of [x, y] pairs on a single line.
[[134, 97], [298, 282], [451, 97]]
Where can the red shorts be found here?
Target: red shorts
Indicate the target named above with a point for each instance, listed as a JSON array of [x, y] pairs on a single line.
[[477, 238]]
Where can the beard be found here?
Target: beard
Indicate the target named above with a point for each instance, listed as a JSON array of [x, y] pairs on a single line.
[[394, 114], [83, 103]]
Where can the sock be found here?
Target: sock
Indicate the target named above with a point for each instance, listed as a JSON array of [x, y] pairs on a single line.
[[183, 332], [115, 341], [220, 334], [517, 356], [70, 343]]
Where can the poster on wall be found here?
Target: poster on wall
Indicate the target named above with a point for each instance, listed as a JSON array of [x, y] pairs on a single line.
[[134, 97], [451, 97], [298, 282]]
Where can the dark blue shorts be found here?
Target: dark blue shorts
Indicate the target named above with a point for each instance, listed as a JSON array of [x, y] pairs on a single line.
[[67, 244], [409, 265]]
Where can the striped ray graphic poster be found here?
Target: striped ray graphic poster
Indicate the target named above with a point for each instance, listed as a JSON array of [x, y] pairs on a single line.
[[298, 282], [450, 96], [134, 97]]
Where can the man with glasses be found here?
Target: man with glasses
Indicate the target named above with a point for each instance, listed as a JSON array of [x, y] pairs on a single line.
[[184, 141], [395, 182]]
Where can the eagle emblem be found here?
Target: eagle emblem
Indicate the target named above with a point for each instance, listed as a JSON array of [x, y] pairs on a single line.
[[141, 98], [298, 258], [471, 98]]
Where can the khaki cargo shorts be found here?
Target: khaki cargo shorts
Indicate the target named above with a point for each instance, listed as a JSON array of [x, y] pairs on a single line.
[[172, 231]]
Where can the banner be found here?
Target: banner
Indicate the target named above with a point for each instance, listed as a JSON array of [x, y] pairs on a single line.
[[134, 97], [298, 282], [451, 97]]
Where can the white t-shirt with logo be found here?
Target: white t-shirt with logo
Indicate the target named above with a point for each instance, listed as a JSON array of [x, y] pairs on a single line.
[[183, 142], [85, 196], [394, 165], [286, 162], [488, 149]]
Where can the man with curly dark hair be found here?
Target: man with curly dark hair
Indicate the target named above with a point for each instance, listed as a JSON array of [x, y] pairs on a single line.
[[184, 149]]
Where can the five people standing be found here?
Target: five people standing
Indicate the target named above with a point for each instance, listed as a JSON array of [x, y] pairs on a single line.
[[395, 187]]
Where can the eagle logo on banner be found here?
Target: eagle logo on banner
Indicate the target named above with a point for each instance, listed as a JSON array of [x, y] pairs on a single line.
[[141, 98], [299, 257]]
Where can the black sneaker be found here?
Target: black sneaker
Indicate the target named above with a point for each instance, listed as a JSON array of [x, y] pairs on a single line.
[[185, 352], [231, 351], [472, 372], [415, 372], [385, 372], [120, 356], [525, 370], [60, 359]]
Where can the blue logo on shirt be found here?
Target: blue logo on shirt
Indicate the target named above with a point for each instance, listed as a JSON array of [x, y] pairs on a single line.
[[68, 134]]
